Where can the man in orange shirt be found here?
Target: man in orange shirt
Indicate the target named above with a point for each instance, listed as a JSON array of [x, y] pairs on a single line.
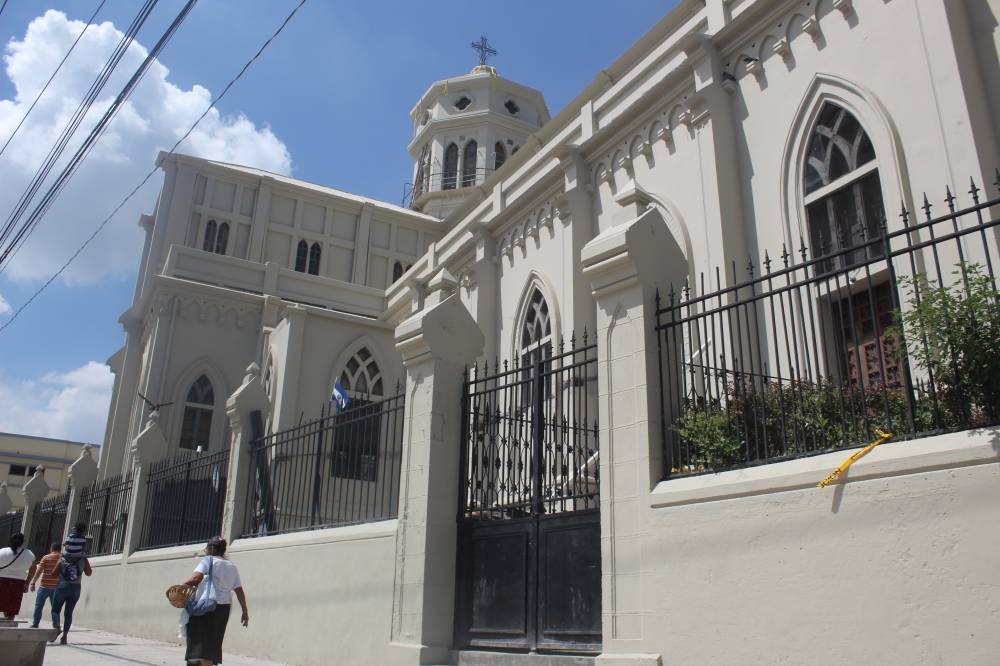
[[48, 571]]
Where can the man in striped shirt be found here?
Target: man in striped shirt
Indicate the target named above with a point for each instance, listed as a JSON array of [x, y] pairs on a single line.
[[48, 571]]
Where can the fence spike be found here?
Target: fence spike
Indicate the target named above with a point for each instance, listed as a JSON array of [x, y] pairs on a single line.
[[803, 250], [750, 266], [927, 207], [572, 339], [562, 345], [767, 261], [584, 336], [974, 191], [996, 172], [905, 215], [949, 199]]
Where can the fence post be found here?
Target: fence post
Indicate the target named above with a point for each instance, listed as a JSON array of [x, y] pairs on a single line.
[[148, 446], [248, 408], [5, 500], [436, 344], [34, 491], [625, 265], [82, 473]]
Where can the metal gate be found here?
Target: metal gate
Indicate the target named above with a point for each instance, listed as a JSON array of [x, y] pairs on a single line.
[[529, 556]]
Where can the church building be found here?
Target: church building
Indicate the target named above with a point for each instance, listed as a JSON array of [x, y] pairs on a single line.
[[571, 402]]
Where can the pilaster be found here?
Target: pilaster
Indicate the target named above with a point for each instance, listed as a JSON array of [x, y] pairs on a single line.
[[247, 408], [625, 265], [82, 473], [149, 446], [258, 228], [714, 124], [436, 344], [361, 239], [34, 491]]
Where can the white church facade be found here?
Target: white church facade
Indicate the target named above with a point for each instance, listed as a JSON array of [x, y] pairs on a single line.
[[595, 369]]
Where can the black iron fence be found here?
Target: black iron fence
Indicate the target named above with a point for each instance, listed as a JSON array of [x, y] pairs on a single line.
[[342, 468], [48, 522], [185, 499], [10, 524], [899, 331], [104, 507], [530, 435]]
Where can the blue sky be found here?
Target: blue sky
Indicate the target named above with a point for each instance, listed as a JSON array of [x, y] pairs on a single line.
[[328, 102]]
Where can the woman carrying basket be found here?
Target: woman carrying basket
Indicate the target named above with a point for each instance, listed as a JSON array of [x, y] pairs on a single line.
[[205, 632]]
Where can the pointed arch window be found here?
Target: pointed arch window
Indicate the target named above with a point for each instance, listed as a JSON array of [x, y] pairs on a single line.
[[398, 268], [536, 337], [361, 374], [222, 238], [314, 255], [196, 428], [301, 256], [469, 166], [357, 432], [499, 155], [845, 214], [843, 194], [210, 232], [216, 237], [450, 167]]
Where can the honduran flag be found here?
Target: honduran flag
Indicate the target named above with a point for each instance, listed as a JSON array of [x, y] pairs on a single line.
[[340, 396]]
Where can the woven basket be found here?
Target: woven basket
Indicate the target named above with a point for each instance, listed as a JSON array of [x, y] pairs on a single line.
[[178, 595]]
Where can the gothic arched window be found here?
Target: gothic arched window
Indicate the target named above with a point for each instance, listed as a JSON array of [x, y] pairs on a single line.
[[210, 232], [196, 428], [536, 340], [222, 238], [450, 167], [314, 252], [301, 256], [362, 375], [499, 155], [469, 156], [843, 194]]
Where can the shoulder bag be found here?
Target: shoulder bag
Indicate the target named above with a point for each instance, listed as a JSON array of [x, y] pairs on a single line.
[[204, 599]]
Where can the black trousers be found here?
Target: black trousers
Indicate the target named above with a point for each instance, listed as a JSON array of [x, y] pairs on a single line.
[[205, 634]]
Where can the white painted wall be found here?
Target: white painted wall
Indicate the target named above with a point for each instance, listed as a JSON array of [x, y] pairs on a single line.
[[315, 598]]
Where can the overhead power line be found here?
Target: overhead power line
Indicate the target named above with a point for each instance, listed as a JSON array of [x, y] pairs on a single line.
[[95, 134], [46, 86], [149, 175], [71, 126]]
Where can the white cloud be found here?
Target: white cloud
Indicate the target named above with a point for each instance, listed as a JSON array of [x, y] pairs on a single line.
[[157, 114], [71, 405], [4, 305]]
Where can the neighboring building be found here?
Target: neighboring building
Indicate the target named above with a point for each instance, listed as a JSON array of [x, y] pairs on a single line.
[[21, 455], [628, 342]]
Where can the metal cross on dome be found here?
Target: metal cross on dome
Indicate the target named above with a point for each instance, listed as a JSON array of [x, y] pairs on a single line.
[[484, 48]]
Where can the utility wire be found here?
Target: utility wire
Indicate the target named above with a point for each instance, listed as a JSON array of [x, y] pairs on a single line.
[[3, 6], [58, 67], [95, 89], [149, 175], [95, 134]]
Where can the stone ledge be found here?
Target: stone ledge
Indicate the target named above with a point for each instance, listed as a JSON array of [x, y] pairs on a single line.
[[949, 451], [486, 658], [364, 531]]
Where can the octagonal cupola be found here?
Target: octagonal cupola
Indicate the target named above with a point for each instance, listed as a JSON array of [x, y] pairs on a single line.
[[464, 129]]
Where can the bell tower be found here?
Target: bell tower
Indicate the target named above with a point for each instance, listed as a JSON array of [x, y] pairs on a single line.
[[464, 129]]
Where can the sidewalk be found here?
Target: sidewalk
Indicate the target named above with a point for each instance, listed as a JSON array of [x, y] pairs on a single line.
[[90, 647]]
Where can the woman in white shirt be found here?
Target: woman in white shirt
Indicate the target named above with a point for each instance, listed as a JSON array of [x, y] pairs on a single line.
[[205, 632], [17, 566]]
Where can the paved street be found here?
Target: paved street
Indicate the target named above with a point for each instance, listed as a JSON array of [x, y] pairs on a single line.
[[90, 647]]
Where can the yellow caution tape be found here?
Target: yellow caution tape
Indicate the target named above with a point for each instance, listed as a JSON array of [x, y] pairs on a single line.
[[883, 437]]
